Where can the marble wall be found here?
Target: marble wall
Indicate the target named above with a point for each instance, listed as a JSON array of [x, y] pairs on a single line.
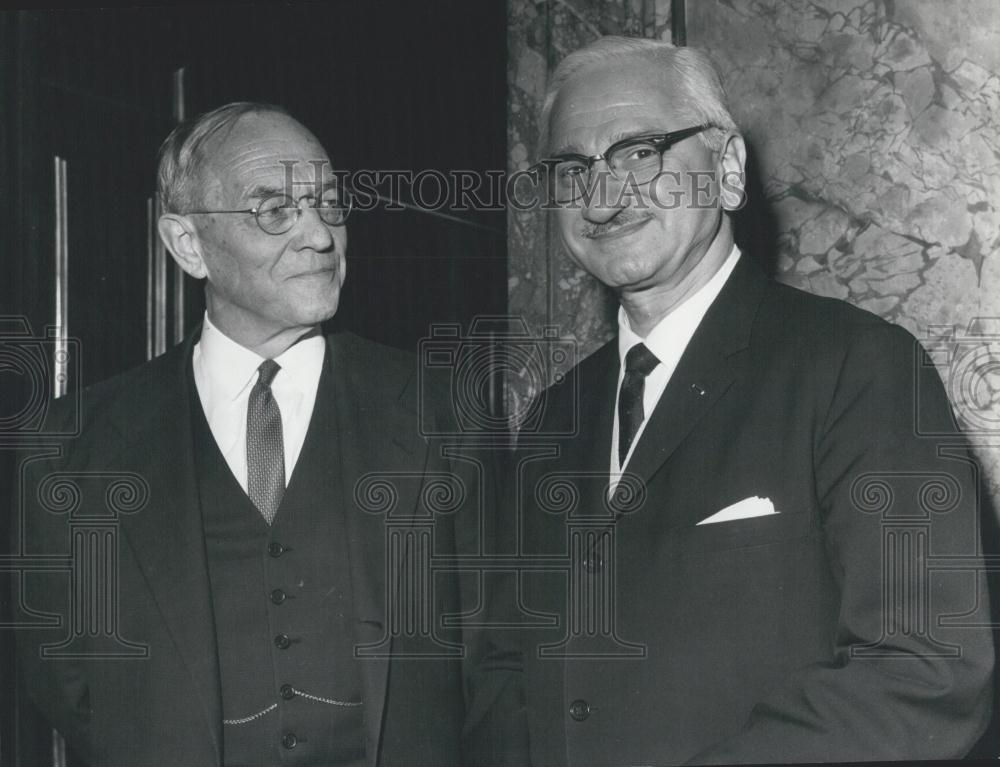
[[875, 134], [875, 127], [544, 287]]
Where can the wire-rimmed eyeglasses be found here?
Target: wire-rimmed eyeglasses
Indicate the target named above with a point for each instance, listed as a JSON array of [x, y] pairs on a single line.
[[278, 213]]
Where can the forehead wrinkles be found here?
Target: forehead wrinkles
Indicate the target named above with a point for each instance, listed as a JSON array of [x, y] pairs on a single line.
[[589, 102], [273, 156], [270, 161], [592, 109]]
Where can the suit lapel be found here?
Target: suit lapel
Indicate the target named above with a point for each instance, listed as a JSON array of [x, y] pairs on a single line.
[[588, 450], [378, 438], [707, 369], [155, 427]]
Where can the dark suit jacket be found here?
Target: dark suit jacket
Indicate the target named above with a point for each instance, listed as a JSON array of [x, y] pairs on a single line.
[[166, 708], [796, 637]]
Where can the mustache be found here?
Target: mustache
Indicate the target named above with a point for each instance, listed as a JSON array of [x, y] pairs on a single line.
[[626, 217]]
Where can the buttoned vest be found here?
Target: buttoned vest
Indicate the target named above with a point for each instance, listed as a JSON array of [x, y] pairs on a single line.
[[282, 599]]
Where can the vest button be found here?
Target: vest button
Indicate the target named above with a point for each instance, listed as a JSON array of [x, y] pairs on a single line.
[[278, 596], [579, 710], [287, 691], [282, 642], [289, 741], [275, 549]]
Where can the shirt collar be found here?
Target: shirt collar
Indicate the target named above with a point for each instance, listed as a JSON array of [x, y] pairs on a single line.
[[679, 325], [230, 368]]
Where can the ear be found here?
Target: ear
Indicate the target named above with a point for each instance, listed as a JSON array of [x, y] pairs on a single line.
[[732, 173], [181, 239]]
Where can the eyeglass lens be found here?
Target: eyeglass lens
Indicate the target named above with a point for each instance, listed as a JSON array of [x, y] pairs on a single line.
[[278, 214], [637, 163]]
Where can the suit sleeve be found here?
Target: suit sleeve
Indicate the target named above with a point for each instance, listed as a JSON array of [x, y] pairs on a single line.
[[57, 687], [904, 681], [494, 732]]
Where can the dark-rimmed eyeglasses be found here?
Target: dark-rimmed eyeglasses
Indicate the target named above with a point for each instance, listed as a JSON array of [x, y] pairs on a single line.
[[635, 160], [278, 213]]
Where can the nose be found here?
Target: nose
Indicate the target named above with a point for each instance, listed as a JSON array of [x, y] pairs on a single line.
[[604, 199], [311, 231]]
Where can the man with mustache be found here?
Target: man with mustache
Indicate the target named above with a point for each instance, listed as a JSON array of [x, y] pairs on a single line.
[[258, 609], [743, 500]]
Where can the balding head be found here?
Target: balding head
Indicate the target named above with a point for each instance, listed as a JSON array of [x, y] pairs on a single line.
[[184, 153]]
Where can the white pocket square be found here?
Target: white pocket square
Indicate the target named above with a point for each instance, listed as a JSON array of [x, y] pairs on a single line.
[[745, 509]]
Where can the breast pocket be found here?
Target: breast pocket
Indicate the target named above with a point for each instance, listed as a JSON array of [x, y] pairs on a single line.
[[744, 533]]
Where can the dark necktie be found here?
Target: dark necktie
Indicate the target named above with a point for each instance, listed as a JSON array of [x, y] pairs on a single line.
[[639, 363], [265, 445]]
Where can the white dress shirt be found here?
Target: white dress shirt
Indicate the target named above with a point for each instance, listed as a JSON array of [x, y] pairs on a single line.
[[224, 374], [667, 340]]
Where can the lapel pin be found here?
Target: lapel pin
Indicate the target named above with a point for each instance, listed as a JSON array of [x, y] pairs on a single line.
[[698, 389]]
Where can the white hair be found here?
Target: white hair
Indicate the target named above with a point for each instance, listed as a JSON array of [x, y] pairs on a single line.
[[703, 97], [178, 176]]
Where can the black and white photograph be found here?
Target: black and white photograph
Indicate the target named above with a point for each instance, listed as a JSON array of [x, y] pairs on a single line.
[[508, 383]]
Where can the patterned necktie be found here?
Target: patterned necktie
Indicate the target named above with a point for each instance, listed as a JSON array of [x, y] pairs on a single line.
[[639, 363], [265, 445]]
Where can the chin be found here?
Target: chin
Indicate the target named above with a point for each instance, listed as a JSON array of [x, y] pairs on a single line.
[[324, 315], [312, 313], [624, 273]]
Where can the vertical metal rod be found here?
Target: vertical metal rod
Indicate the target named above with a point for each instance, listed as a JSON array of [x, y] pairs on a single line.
[[178, 303], [159, 289], [58, 750], [678, 22], [493, 400], [60, 366], [178, 95], [150, 280], [179, 111]]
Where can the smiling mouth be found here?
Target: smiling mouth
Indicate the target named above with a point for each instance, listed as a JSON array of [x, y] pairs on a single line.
[[619, 231], [316, 272]]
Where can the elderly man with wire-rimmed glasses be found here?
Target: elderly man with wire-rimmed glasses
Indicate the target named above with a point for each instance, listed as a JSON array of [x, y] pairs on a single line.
[[254, 592]]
